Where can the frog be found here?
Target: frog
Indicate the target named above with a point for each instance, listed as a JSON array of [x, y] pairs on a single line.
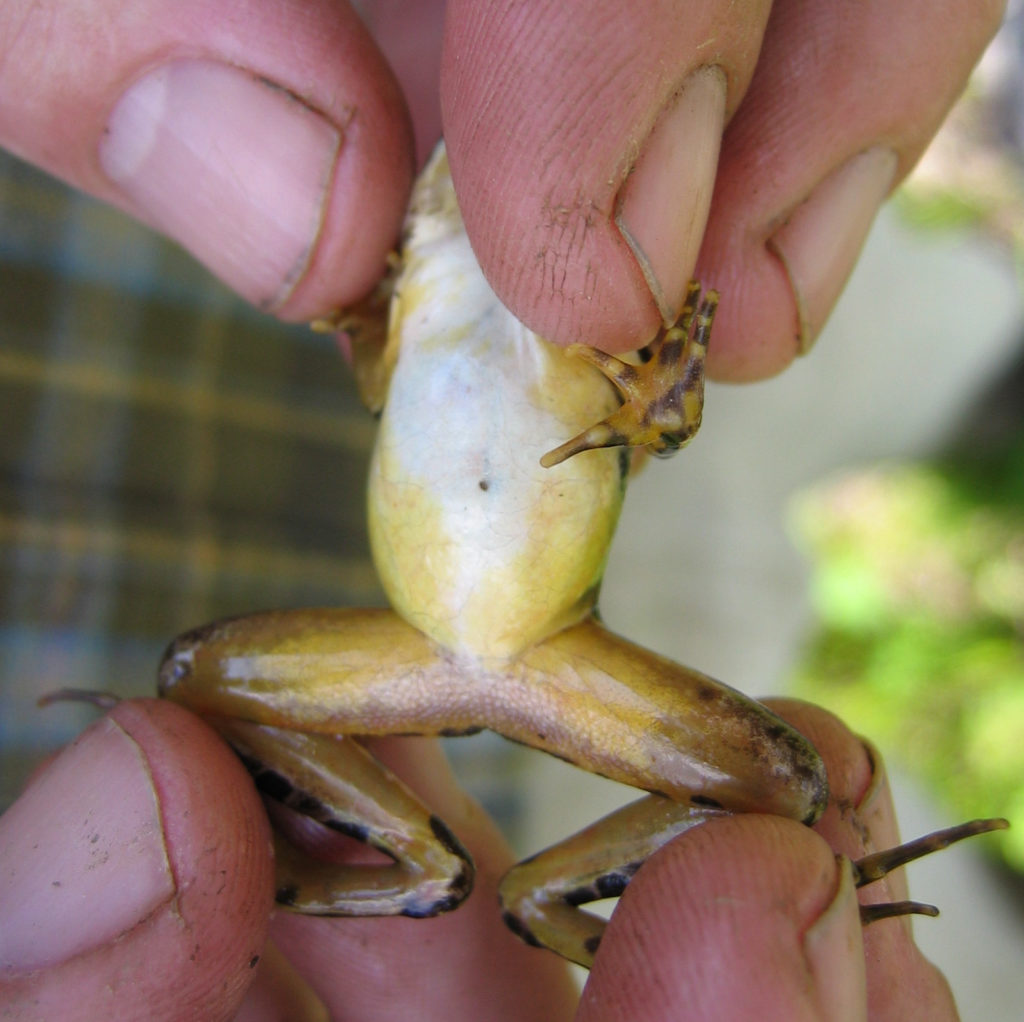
[[490, 533]]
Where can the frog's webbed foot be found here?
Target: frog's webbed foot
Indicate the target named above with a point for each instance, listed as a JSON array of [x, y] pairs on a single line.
[[663, 397], [339, 784]]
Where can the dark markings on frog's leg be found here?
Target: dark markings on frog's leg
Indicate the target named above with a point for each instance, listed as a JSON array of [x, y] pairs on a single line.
[[447, 839], [580, 896], [458, 890], [520, 929], [270, 783], [286, 894], [705, 801], [608, 885], [356, 831], [611, 885], [625, 460]]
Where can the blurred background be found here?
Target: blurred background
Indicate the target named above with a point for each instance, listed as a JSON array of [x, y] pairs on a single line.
[[852, 532]]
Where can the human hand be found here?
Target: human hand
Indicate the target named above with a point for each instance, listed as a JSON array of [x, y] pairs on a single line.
[[115, 902], [272, 140]]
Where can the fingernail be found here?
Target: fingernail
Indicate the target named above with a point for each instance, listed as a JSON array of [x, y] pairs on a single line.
[[82, 856], [835, 954], [819, 243], [663, 204], [234, 168]]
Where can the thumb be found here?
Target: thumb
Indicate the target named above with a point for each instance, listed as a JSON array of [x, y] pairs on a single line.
[[746, 917], [268, 138], [135, 876]]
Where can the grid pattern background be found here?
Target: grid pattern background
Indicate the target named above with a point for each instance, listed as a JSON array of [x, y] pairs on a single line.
[[167, 457]]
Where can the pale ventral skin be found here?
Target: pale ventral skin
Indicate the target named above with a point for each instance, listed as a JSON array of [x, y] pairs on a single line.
[[490, 540]]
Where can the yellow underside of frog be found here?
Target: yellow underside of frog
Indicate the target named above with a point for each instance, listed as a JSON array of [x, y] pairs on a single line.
[[490, 532]]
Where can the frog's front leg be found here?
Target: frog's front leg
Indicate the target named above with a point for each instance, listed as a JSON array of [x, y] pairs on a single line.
[[662, 397]]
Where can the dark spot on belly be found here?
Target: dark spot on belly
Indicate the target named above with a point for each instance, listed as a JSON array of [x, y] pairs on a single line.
[[484, 485]]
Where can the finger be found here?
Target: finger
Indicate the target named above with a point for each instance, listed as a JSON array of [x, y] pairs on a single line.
[[583, 140], [742, 918], [462, 965], [269, 139], [844, 101], [409, 36], [135, 875], [860, 819]]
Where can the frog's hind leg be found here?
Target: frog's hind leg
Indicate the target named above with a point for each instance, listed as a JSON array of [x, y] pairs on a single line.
[[338, 783], [541, 896]]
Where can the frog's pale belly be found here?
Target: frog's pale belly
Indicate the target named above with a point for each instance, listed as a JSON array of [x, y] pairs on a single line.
[[479, 546]]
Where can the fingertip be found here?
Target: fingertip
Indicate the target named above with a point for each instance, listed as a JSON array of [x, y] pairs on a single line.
[[841, 106], [584, 182], [285, 170], [215, 829], [861, 819], [152, 796], [718, 921]]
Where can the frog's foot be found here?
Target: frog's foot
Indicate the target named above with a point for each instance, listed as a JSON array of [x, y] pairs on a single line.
[[338, 783], [874, 867], [663, 397], [541, 897]]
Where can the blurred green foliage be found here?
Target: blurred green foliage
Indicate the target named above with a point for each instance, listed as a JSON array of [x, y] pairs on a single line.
[[918, 583]]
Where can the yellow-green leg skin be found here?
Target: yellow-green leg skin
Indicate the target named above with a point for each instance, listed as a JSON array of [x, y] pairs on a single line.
[[541, 897], [338, 783], [584, 694]]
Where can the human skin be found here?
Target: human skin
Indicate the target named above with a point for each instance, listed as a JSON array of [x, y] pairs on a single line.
[[588, 143], [582, 137], [742, 916]]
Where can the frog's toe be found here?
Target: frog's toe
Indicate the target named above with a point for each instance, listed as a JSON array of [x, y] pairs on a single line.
[[662, 397]]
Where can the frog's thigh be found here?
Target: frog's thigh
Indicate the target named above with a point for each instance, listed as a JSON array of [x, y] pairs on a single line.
[[326, 670], [541, 896], [619, 710], [338, 783]]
